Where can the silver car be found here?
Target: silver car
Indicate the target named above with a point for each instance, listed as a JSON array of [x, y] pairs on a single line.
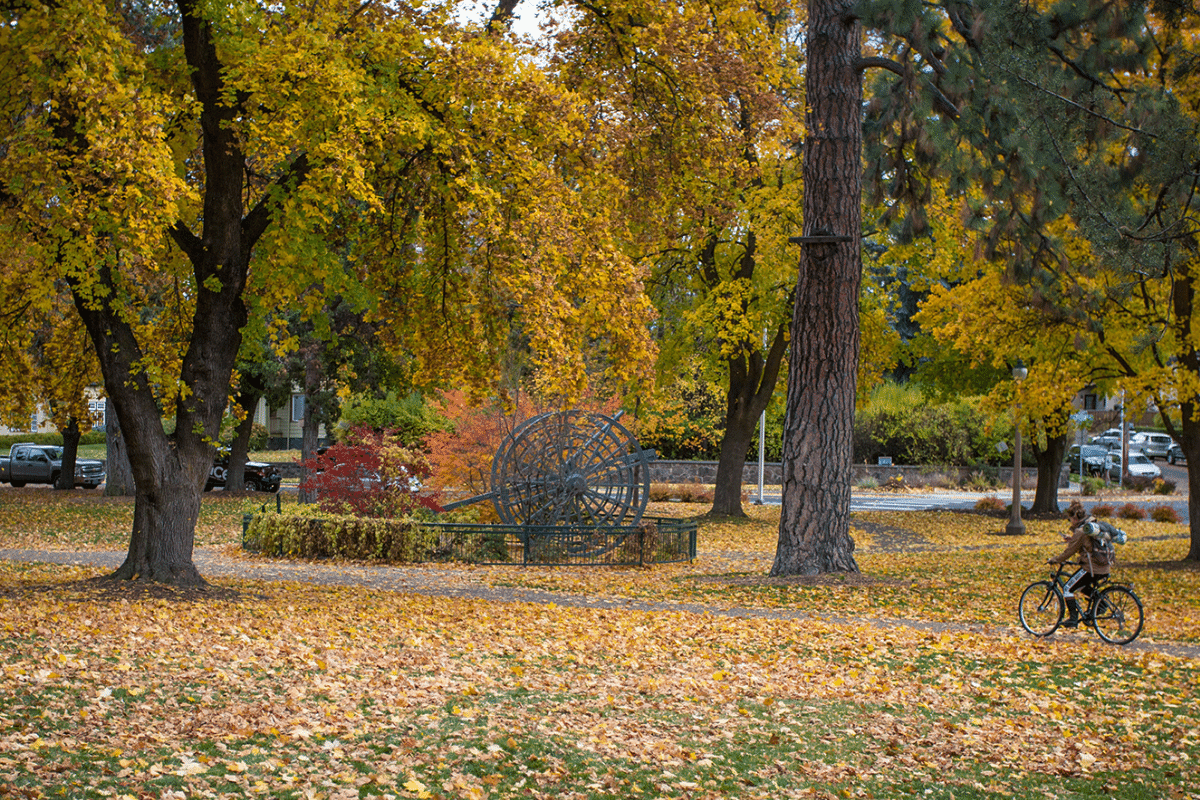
[[1139, 466]]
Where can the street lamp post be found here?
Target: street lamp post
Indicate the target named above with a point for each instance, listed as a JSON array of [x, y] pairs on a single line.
[[1016, 527]]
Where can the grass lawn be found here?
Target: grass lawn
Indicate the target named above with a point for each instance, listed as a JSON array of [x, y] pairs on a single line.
[[296, 690]]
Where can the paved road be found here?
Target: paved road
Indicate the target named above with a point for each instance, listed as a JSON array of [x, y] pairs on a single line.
[[924, 501]]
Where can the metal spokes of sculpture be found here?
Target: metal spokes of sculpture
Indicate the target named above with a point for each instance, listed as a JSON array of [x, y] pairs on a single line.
[[571, 468], [570, 487]]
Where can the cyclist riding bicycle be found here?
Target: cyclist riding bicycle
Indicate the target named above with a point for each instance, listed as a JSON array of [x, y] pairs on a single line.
[[1095, 560]]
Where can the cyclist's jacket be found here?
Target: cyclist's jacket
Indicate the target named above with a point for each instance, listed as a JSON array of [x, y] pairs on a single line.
[[1096, 558]]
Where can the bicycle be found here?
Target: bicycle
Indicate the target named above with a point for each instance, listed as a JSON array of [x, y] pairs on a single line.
[[1113, 609]]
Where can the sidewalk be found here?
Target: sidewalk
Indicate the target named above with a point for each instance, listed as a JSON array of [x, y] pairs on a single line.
[[441, 582]]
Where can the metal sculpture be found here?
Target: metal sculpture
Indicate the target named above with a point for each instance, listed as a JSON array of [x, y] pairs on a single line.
[[569, 468]]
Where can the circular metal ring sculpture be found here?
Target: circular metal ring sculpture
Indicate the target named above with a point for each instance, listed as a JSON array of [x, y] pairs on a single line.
[[571, 468]]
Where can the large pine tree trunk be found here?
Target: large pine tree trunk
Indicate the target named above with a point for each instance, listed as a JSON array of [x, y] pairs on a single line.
[[814, 528]]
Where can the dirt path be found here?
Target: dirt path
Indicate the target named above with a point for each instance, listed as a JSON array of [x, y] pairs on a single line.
[[441, 582]]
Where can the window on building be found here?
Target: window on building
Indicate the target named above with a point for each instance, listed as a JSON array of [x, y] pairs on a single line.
[[1089, 402], [297, 408], [96, 412]]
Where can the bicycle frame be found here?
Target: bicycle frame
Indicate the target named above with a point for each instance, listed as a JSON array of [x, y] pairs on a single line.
[[1113, 610]]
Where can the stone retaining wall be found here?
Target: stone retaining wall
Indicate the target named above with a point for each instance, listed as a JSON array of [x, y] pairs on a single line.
[[706, 472]]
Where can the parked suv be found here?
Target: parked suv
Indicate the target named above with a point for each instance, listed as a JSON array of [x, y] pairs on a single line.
[[1175, 455], [259, 476], [1088, 459], [1154, 445]]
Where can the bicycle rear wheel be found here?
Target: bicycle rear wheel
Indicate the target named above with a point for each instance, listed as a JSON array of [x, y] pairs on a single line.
[[1041, 608], [1118, 615]]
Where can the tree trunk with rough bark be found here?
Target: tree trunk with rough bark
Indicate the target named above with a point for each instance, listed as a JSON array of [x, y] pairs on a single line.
[[1190, 443], [310, 426], [814, 527], [118, 475], [71, 436], [239, 448], [169, 471], [164, 525], [752, 380], [1049, 465]]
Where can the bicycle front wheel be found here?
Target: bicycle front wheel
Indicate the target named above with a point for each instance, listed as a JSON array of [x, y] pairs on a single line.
[[1118, 615], [1041, 608]]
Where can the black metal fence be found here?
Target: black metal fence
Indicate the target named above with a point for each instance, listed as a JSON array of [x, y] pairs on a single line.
[[655, 541]]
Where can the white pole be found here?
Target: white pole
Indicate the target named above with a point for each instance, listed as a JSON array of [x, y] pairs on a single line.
[[762, 450]]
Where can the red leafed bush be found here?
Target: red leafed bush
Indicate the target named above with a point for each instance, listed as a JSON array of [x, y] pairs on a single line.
[[369, 474], [1164, 514], [1130, 511]]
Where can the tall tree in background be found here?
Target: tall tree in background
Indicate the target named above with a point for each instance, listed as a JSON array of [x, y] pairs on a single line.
[[66, 371], [1086, 216], [985, 93], [46, 359], [233, 135], [696, 101]]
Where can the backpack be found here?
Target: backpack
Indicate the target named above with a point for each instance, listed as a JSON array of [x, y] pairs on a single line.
[[1106, 533]]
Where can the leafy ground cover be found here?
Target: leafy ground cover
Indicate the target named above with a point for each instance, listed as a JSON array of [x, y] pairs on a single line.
[[297, 690]]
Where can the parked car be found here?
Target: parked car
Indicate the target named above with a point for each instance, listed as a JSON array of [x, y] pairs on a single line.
[[1110, 440], [259, 476], [1088, 459], [40, 463], [1139, 466], [1175, 455], [1154, 445]]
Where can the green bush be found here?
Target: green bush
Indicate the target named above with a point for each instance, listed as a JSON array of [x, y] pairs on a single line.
[[1091, 486], [902, 422], [260, 437], [686, 420], [313, 536], [409, 417]]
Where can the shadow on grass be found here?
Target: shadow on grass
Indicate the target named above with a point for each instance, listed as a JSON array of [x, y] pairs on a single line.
[[107, 589]]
